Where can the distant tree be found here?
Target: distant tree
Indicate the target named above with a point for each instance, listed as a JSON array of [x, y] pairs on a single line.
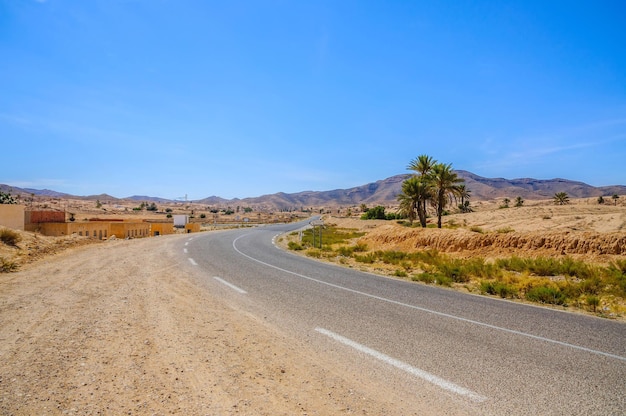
[[465, 207], [409, 198], [152, 207], [363, 208], [247, 209], [519, 202], [561, 198], [7, 198], [415, 191], [445, 185], [98, 203], [423, 166], [615, 198], [505, 203], [600, 199], [376, 213], [464, 194]]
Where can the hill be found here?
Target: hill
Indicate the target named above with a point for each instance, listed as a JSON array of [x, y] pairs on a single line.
[[382, 192]]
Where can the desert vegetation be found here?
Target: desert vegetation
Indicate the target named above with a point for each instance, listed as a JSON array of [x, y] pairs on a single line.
[[495, 261], [433, 183], [565, 281]]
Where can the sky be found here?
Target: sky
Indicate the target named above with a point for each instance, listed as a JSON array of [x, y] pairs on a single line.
[[175, 98]]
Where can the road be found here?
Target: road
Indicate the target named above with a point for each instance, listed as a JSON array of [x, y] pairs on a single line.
[[477, 354]]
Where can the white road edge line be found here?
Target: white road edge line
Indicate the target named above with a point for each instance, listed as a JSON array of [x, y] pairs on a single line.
[[424, 375], [192, 261], [445, 315], [230, 285]]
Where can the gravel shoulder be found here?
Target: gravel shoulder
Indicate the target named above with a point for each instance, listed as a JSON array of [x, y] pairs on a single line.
[[122, 327]]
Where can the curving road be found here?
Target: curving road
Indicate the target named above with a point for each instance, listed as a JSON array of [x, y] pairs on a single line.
[[484, 355]]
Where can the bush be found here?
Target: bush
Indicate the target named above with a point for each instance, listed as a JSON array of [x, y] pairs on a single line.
[[546, 294], [9, 237], [376, 213], [400, 273], [294, 246], [497, 288], [314, 253], [7, 266], [593, 302], [454, 270], [424, 277], [367, 258]]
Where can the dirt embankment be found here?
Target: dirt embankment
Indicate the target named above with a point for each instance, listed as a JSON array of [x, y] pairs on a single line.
[[582, 230], [588, 244]]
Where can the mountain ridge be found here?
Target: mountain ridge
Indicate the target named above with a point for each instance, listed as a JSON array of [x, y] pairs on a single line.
[[382, 192]]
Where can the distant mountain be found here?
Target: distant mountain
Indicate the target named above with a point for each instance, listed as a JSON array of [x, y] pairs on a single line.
[[27, 192], [154, 199], [528, 188], [382, 192]]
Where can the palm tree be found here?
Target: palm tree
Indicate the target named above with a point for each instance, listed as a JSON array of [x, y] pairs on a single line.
[[423, 165], [561, 198], [464, 193], [415, 191], [615, 198], [445, 185], [519, 201], [600, 199]]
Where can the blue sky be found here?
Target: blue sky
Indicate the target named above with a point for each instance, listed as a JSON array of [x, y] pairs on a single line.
[[245, 98]]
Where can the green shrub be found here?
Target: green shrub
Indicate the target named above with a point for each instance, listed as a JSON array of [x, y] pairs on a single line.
[[593, 302], [368, 258], [294, 246], [546, 294], [497, 288], [345, 251], [360, 247], [391, 257], [454, 270], [9, 237], [400, 273], [424, 277]]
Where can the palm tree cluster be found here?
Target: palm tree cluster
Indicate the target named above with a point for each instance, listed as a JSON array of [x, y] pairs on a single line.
[[434, 184]]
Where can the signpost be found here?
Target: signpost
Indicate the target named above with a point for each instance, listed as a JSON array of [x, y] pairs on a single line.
[[320, 225]]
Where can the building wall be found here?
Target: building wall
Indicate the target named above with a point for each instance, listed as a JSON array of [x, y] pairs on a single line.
[[98, 230], [36, 217], [130, 229], [161, 228], [192, 227], [12, 216]]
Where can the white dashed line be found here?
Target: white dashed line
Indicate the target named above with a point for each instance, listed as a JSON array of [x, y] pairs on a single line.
[[230, 285], [185, 250], [424, 375], [192, 261]]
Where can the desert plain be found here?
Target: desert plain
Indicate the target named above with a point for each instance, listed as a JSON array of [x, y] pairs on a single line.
[[127, 327]]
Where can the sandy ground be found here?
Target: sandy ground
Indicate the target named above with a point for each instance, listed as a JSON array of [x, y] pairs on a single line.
[[122, 327], [125, 327]]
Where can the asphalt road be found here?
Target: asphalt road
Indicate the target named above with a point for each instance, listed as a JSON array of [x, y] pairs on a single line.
[[487, 356]]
